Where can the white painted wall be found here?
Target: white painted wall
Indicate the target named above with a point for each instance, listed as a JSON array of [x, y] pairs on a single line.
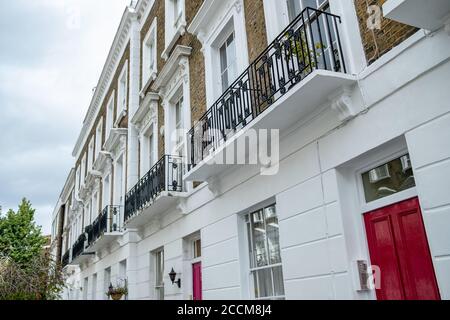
[[406, 102]]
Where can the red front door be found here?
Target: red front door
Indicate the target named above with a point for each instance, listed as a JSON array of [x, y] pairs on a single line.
[[398, 246], [197, 280]]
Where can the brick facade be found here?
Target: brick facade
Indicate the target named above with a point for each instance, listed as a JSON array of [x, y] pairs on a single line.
[[255, 24], [378, 42], [197, 74]]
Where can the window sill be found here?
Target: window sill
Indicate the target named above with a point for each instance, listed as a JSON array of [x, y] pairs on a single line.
[[146, 83], [120, 117], [178, 32]]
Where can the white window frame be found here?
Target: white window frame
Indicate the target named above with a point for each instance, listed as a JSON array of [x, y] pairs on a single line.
[[248, 253], [77, 179], [149, 157], [85, 288], [365, 206], [212, 25], [98, 138], [90, 156], [174, 27], [119, 190], [106, 197], [83, 169], [150, 38], [94, 287], [230, 76], [109, 115], [122, 92], [158, 287], [106, 280]]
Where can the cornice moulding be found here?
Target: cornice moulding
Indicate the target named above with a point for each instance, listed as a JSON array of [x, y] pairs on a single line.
[[114, 138], [118, 46], [142, 109], [171, 66]]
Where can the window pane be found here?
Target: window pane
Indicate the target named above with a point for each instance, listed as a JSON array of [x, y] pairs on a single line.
[[197, 248], [293, 8], [388, 179], [259, 239], [309, 3], [223, 58], [273, 240], [264, 288], [278, 281]]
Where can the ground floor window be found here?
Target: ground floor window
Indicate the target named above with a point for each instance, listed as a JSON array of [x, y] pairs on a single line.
[[264, 250], [159, 274]]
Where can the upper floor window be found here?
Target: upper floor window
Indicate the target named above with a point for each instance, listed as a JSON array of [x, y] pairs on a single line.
[[83, 169], [265, 256], [122, 90], [228, 62], [90, 159], [177, 11], [294, 7], [98, 138], [109, 115], [77, 178], [175, 24], [179, 126], [149, 53]]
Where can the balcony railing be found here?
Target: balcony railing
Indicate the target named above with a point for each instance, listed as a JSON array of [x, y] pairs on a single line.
[[310, 42], [78, 247], [65, 259], [108, 221], [166, 175]]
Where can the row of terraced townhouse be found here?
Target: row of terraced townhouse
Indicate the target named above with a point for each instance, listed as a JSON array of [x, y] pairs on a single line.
[[265, 149]]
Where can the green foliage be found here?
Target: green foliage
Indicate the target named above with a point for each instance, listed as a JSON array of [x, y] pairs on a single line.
[[27, 270], [42, 279], [20, 238]]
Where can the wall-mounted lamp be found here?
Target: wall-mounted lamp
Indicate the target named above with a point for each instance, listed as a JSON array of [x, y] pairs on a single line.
[[172, 276]]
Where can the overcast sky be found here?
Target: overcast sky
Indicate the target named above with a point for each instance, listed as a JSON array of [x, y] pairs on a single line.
[[51, 55]]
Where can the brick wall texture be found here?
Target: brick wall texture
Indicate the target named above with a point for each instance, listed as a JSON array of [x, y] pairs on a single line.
[[255, 23], [377, 42]]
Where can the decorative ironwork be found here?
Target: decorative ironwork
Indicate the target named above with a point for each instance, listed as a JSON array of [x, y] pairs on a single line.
[[311, 41], [65, 259], [108, 221], [166, 175], [79, 246]]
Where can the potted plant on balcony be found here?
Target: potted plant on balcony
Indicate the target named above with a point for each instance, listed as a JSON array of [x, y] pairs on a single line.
[[116, 293]]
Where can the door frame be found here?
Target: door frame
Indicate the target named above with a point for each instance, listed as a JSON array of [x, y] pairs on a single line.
[[188, 262], [365, 206], [384, 155]]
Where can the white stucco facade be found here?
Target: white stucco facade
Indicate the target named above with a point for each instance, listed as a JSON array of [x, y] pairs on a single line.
[[398, 105]]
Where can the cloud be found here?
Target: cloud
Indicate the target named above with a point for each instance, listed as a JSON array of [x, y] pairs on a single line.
[[54, 53]]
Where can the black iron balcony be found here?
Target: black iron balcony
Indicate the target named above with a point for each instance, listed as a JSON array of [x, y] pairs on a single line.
[[310, 42], [78, 247], [109, 221], [65, 259], [165, 176]]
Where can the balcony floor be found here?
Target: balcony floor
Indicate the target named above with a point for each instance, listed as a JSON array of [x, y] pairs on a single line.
[[85, 256], [429, 15], [161, 204], [103, 241], [297, 104]]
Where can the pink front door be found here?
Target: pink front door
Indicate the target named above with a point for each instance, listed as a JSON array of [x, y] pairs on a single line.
[[398, 245], [197, 281]]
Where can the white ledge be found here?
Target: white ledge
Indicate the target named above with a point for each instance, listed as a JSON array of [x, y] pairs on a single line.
[[171, 66], [114, 138], [142, 110], [429, 15]]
